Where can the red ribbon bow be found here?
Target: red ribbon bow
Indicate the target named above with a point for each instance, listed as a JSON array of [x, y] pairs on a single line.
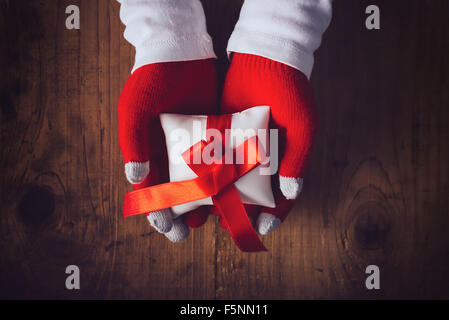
[[215, 180]]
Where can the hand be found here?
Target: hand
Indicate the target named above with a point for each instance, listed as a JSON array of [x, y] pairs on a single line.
[[187, 87], [256, 81]]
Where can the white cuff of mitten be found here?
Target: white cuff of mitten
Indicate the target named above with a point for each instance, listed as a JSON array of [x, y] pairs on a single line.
[[166, 30], [287, 31]]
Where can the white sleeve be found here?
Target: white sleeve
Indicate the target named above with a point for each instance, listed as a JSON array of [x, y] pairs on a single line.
[[166, 30], [287, 31]]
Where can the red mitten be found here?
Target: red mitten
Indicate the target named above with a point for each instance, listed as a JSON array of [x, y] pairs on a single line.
[[187, 87], [254, 81]]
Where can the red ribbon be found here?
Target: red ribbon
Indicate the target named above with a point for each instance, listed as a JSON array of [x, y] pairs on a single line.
[[215, 180]]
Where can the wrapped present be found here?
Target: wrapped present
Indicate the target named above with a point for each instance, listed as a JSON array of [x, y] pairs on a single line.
[[214, 160]]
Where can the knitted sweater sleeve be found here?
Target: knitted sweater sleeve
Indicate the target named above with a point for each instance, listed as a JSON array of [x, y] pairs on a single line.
[[166, 30], [287, 31]]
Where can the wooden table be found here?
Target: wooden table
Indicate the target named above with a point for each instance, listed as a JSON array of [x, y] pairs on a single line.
[[376, 193]]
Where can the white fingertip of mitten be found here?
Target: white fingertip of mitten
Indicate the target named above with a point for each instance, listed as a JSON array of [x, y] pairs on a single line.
[[290, 187], [161, 220], [178, 232], [266, 223], [136, 172]]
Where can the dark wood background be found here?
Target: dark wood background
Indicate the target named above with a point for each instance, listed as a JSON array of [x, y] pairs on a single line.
[[376, 192]]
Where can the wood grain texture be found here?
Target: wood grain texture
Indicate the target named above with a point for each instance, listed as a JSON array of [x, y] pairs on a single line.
[[376, 193]]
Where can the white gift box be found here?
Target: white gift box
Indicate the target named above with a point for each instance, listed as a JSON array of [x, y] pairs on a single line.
[[184, 131]]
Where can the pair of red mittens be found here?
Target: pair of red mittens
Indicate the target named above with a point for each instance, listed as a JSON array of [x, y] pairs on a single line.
[[190, 87]]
